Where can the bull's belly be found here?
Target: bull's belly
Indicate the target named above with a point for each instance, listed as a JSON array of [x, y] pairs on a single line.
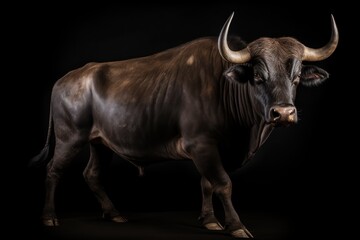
[[147, 151]]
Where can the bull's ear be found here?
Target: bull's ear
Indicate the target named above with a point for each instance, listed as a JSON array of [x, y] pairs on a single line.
[[239, 73], [313, 75]]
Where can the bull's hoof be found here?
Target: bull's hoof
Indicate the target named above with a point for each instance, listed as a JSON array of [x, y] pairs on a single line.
[[116, 218], [242, 233], [119, 219], [214, 226], [50, 222]]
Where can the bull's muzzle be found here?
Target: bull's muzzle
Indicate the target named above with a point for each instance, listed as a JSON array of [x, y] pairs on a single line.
[[283, 115]]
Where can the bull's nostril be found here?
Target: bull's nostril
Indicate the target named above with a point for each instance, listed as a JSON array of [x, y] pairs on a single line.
[[283, 115], [275, 115]]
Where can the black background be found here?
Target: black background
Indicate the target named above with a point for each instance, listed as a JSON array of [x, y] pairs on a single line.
[[301, 173]]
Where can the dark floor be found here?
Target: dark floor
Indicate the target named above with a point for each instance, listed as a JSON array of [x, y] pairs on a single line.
[[157, 225]]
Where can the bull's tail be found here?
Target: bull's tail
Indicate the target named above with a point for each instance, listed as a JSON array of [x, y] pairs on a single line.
[[41, 158]]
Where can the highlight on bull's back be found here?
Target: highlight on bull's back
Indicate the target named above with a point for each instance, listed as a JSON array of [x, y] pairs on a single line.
[[223, 98]]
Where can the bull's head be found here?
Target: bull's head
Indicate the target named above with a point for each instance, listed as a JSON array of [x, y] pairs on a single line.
[[275, 66]]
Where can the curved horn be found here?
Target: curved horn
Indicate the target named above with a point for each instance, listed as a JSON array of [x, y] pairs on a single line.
[[319, 54], [241, 56]]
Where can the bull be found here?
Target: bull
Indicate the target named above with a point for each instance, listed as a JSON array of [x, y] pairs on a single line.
[[182, 103]]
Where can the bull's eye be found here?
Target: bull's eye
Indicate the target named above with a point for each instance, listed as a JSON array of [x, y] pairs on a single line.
[[257, 78], [296, 81]]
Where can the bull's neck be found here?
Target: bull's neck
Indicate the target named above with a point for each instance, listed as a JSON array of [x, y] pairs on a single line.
[[239, 105]]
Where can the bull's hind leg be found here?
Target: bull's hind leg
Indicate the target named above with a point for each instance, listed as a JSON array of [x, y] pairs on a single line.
[[207, 216], [91, 175], [64, 153]]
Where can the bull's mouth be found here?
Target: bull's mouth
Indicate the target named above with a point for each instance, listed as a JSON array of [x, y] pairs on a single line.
[[281, 123]]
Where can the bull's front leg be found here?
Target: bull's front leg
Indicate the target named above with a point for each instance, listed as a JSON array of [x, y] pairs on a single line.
[[207, 160], [207, 216]]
